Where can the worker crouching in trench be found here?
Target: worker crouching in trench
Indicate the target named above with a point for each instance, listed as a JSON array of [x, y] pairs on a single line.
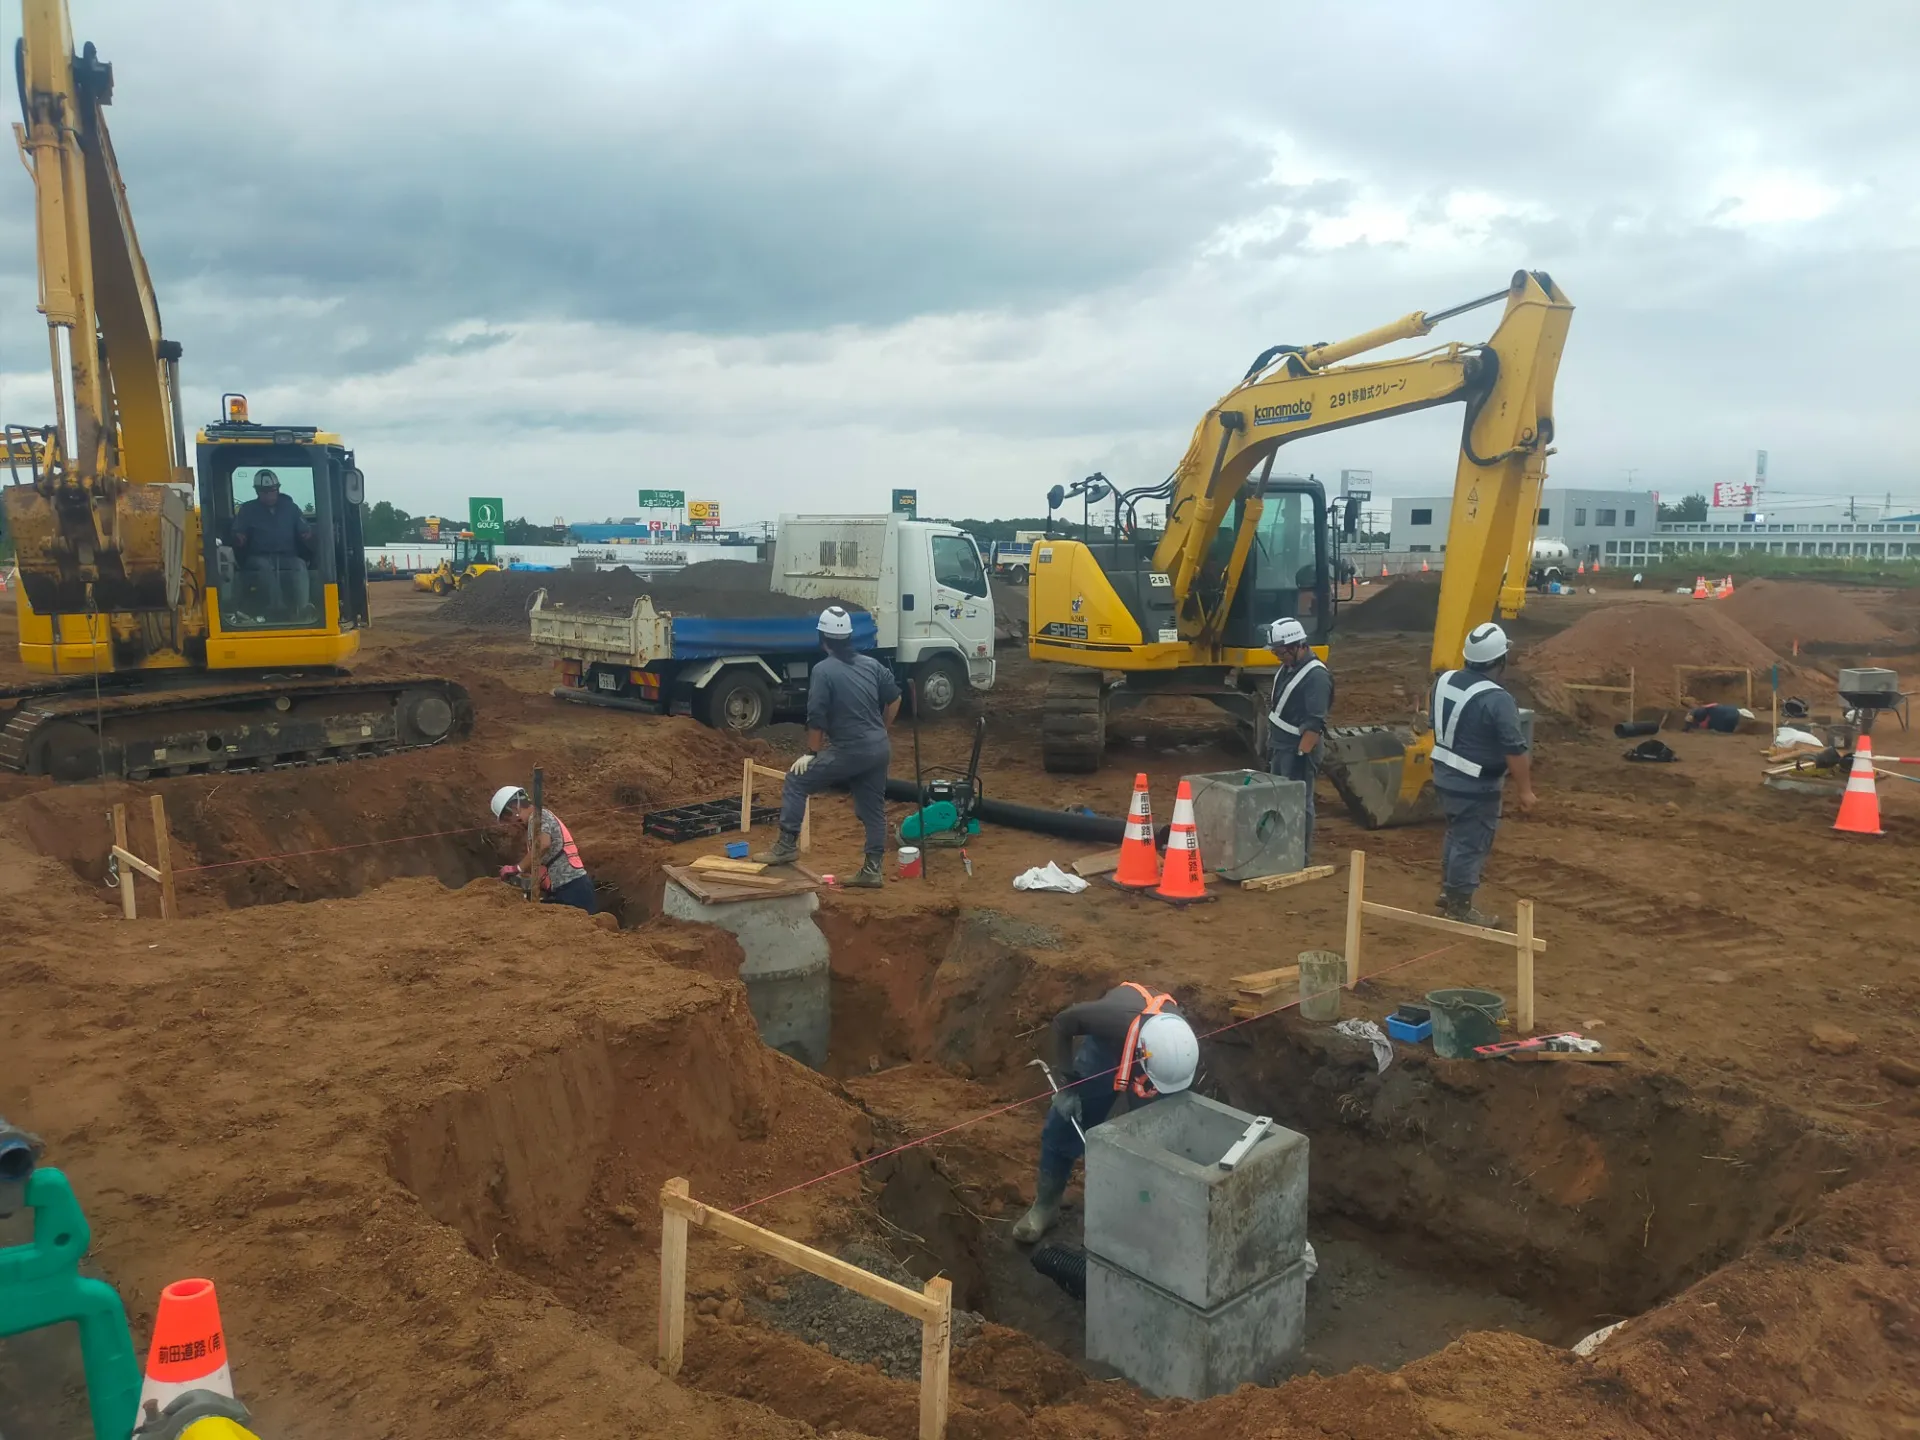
[[553, 855]]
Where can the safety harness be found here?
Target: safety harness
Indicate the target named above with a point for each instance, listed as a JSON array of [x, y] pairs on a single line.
[[1281, 697], [567, 848], [1450, 702], [1123, 1076]]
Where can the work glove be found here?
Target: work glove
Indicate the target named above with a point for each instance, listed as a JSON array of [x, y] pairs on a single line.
[[1066, 1104], [509, 872], [802, 765]]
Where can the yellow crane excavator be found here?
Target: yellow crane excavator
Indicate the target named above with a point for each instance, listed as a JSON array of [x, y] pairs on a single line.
[[188, 618], [1184, 611]]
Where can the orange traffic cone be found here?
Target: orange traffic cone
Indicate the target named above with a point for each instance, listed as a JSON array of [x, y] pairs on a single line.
[[1859, 807], [1727, 589], [1581, 568], [1423, 567], [1383, 569], [1139, 867], [189, 1348], [1182, 878], [1699, 587]]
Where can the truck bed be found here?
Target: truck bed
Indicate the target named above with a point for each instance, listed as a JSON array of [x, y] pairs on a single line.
[[644, 636]]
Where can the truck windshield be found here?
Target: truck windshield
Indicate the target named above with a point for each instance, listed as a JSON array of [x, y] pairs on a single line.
[[956, 564]]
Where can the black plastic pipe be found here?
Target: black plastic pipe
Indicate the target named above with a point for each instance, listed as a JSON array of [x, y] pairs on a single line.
[[1066, 1267], [1067, 824], [1627, 729]]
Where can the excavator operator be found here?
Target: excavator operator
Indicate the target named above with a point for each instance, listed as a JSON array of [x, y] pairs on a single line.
[[271, 536]]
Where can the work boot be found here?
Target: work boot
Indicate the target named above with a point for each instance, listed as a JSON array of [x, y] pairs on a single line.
[[1044, 1211], [786, 850], [1458, 905], [870, 876]]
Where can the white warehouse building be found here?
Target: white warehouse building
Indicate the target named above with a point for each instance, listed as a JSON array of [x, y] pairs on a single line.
[[1593, 523]]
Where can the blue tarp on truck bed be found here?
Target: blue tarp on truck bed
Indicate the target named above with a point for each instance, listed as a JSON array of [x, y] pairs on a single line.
[[699, 637]]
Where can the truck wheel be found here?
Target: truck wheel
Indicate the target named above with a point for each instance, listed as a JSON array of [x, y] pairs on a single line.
[[939, 684], [738, 701], [1073, 727]]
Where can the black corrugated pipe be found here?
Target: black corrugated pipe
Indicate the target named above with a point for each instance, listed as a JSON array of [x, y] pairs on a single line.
[[1629, 728], [1067, 824], [1063, 1265]]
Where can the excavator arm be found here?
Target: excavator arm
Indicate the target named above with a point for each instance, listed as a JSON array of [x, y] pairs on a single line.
[[1291, 392]]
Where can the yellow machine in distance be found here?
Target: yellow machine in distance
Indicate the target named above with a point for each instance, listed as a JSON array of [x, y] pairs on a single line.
[[1184, 611], [187, 617], [471, 558]]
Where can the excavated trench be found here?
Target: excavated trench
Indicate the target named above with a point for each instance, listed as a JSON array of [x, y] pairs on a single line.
[[1445, 1197]]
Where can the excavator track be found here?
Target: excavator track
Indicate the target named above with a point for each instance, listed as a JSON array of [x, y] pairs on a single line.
[[1073, 726], [72, 732]]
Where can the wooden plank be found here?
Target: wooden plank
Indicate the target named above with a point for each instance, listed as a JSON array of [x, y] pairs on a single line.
[[1265, 982], [1284, 882], [746, 795], [729, 865], [936, 1354], [133, 861], [806, 828], [673, 1278], [768, 771], [163, 858], [712, 888], [1105, 863], [1523, 955], [129, 903], [920, 1306], [1356, 901], [1591, 1057], [1452, 927]]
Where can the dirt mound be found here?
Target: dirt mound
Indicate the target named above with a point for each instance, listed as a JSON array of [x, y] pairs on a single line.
[[1403, 605], [720, 588], [1783, 611], [1651, 637]]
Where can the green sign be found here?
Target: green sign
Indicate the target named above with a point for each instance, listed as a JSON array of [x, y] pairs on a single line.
[[662, 499], [487, 518], [906, 502]]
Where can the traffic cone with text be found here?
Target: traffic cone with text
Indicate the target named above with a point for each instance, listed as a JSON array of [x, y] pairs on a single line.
[[1859, 806], [189, 1349], [1700, 587], [1181, 877], [1139, 867]]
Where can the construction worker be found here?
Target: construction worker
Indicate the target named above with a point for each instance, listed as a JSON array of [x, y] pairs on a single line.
[[553, 856], [851, 700], [1129, 1042], [1477, 744], [1297, 720], [271, 538], [1722, 719]]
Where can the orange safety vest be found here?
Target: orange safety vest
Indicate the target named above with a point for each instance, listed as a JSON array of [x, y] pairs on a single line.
[[567, 848], [1123, 1076]]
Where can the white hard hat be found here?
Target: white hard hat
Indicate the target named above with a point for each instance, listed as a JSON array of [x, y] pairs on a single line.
[[1287, 632], [835, 622], [1169, 1052], [1485, 644], [503, 797]]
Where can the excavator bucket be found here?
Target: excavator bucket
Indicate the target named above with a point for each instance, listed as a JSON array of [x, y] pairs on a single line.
[[1383, 772]]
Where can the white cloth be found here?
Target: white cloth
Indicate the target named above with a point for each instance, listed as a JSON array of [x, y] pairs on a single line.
[[1049, 877], [1789, 735], [1371, 1033], [1312, 1260]]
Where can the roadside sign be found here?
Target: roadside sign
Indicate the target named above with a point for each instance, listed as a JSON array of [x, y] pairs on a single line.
[[704, 512], [906, 502], [433, 527], [487, 517], [662, 499], [656, 526]]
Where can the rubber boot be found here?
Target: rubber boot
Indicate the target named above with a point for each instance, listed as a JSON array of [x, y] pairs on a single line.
[[870, 876], [1458, 905], [1044, 1211], [786, 850]]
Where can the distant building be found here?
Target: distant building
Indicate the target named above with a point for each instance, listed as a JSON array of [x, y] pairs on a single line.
[[1823, 530], [1591, 522]]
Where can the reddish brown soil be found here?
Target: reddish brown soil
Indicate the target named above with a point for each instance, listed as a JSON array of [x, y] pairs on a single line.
[[415, 1133], [1780, 612]]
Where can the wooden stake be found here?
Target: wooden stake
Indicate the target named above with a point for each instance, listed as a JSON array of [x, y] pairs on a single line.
[[746, 795], [163, 859], [806, 827], [129, 905], [532, 877], [1523, 949], [936, 1350], [673, 1278], [1356, 897]]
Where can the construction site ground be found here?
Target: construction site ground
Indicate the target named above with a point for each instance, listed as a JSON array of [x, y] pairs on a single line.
[[415, 1128]]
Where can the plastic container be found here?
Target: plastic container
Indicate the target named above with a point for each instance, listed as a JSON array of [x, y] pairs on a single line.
[[1322, 973], [1463, 1019], [909, 862], [738, 849]]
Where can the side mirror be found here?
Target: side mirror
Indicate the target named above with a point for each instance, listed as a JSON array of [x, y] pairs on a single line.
[[1056, 497], [355, 484]]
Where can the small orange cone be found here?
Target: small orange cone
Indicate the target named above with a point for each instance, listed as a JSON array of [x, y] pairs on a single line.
[[1181, 878], [1596, 564], [1139, 867], [189, 1348], [1423, 567], [1383, 569], [1727, 589], [1581, 568], [1859, 807], [1700, 587]]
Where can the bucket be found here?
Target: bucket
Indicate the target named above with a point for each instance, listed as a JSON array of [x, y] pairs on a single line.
[[909, 862], [1322, 973], [1462, 1019]]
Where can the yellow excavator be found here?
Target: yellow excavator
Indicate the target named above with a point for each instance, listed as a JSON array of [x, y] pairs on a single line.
[[188, 618], [1184, 610]]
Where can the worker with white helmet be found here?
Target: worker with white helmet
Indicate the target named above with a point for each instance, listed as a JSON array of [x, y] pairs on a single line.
[[1131, 1042], [553, 857], [1477, 744], [851, 700], [1297, 711]]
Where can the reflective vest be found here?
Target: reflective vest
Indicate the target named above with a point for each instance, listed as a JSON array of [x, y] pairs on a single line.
[[567, 848], [1280, 697], [1449, 704], [1123, 1076]]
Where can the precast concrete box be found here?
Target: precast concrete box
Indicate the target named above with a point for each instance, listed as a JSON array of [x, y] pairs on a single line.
[[1249, 823], [1159, 1205], [1168, 1347], [785, 966]]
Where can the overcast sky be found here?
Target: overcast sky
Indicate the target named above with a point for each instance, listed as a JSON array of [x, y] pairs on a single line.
[[792, 256]]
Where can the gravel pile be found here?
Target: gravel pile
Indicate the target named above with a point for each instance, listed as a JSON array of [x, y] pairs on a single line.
[[721, 589], [853, 1327]]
